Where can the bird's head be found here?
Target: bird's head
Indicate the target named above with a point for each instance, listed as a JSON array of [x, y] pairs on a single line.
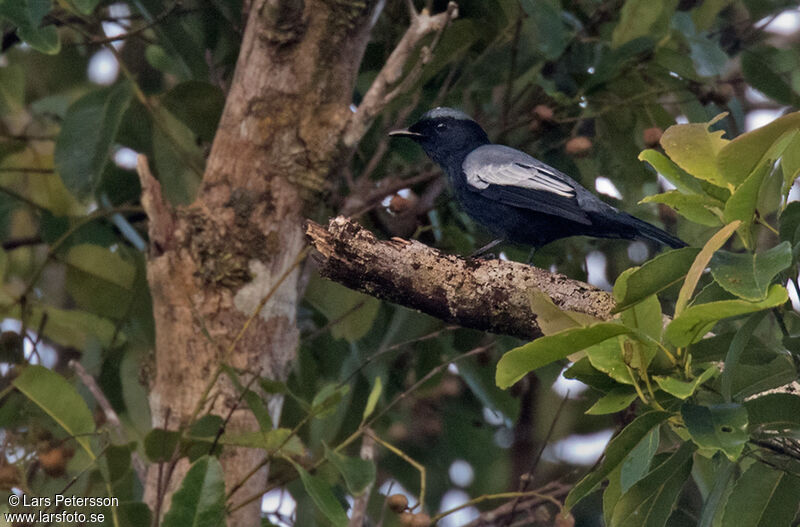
[[446, 135]]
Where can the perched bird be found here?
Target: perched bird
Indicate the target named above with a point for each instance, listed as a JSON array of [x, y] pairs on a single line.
[[518, 198]]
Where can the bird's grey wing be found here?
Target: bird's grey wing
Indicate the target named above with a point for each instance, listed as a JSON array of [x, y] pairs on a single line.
[[514, 178]]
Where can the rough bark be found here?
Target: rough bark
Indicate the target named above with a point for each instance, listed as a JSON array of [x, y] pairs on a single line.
[[489, 295], [212, 262]]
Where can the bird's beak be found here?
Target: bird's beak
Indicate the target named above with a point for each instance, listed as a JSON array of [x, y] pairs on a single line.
[[404, 133]]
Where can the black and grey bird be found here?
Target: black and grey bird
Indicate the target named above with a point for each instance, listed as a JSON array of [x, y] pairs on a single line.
[[517, 197]]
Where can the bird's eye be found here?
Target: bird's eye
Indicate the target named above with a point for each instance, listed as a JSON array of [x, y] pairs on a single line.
[[441, 126]]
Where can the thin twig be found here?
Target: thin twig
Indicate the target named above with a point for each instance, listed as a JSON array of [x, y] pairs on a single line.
[[111, 416]]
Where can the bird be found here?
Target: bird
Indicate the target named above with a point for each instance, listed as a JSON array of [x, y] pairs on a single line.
[[514, 195]]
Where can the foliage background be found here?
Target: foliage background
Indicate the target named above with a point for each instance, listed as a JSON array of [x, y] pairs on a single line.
[[584, 86]]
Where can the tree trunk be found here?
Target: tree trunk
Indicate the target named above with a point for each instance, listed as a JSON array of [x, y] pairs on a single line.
[[213, 262]]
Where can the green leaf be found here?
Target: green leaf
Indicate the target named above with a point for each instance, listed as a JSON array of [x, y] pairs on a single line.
[[160, 444], [515, 364], [790, 165], [609, 358], [277, 441], [327, 398], [642, 18], [654, 276], [198, 105], [133, 514], [700, 263], [751, 379], [28, 15], [59, 399], [323, 497], [177, 158], [732, 358], [684, 182], [739, 158], [774, 412], [586, 373], [551, 318], [720, 427], [549, 34], [100, 280], [614, 401], [747, 275], [790, 226], [358, 473], [178, 43], [649, 502], [372, 400], [696, 321], [714, 504], [85, 6], [763, 496], [351, 313], [684, 389], [694, 148], [253, 400], [87, 137], [200, 501], [704, 210], [12, 89], [760, 72], [637, 464], [616, 452]]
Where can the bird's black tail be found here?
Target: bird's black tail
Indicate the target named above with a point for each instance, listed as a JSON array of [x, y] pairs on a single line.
[[651, 232]]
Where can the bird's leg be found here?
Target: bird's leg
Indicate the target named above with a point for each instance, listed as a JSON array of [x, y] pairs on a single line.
[[530, 256], [486, 248]]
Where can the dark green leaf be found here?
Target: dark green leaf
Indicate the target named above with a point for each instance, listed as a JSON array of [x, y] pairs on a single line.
[[198, 105], [200, 501], [133, 514], [637, 464], [790, 224], [778, 412], [252, 399], [616, 452], [515, 364], [59, 399], [327, 398], [28, 15], [720, 427], [732, 358], [649, 502], [160, 444], [323, 497], [714, 504], [655, 276], [550, 35], [358, 473], [760, 72], [85, 6], [763, 496], [87, 137]]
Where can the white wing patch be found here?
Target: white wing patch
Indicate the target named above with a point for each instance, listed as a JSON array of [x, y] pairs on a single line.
[[516, 174]]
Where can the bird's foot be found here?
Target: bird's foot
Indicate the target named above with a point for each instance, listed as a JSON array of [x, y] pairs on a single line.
[[481, 253]]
